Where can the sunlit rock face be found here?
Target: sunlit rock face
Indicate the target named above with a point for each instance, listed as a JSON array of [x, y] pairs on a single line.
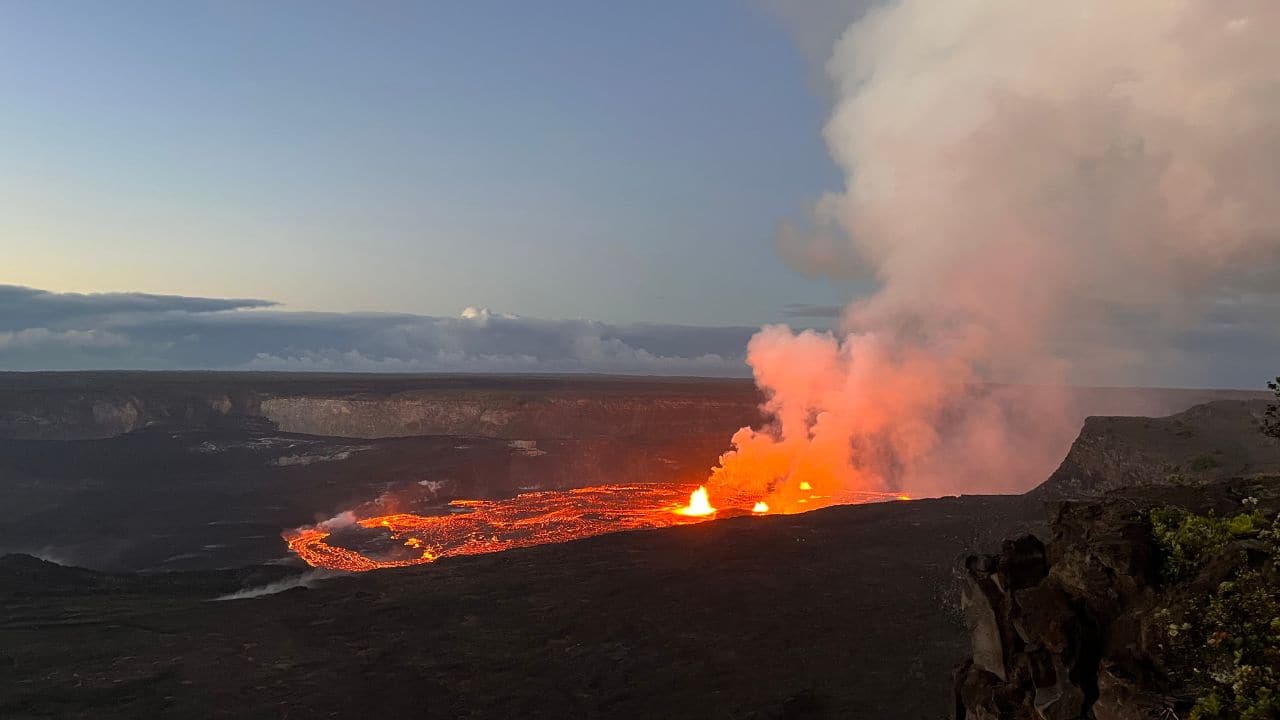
[[505, 415], [67, 406]]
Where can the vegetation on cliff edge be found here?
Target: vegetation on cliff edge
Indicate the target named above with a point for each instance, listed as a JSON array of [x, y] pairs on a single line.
[[1224, 645], [1271, 419]]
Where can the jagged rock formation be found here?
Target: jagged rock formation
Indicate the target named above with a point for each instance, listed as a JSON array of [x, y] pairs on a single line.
[[1211, 441], [1076, 628]]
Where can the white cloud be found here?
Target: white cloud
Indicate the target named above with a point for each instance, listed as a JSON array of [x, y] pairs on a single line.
[[119, 331], [37, 337]]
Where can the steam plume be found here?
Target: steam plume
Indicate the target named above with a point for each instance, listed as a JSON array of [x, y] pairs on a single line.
[[1045, 193]]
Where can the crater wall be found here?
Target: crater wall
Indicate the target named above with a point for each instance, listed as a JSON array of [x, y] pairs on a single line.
[[78, 406]]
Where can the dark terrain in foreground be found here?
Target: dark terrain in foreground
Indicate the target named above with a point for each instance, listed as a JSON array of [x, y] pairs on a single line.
[[844, 612]]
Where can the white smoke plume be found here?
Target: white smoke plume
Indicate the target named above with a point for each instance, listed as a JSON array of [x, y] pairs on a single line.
[[1044, 193], [307, 579]]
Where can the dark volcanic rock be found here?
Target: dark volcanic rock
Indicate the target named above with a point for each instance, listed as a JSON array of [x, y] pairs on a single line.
[[19, 571], [1037, 656], [1070, 630], [1212, 441], [838, 613]]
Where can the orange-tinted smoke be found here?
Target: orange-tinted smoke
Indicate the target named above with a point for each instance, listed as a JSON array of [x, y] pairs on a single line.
[[1039, 193]]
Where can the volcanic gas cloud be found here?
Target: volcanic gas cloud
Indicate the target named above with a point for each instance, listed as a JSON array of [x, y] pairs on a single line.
[[1039, 194]]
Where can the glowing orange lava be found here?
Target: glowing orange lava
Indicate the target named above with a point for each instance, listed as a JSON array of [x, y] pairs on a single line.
[[699, 504], [473, 527]]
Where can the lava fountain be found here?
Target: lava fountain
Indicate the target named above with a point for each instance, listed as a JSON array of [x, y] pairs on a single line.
[[699, 504]]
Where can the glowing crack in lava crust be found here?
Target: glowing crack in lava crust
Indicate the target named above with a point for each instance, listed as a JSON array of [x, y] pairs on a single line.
[[473, 527]]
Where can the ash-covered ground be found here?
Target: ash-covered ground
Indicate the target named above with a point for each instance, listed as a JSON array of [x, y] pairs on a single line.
[[173, 490]]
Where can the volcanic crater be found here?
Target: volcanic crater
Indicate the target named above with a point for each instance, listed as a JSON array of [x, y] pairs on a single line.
[[145, 497]]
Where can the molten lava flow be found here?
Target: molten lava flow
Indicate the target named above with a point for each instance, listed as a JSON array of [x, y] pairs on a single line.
[[472, 527], [760, 507], [699, 504]]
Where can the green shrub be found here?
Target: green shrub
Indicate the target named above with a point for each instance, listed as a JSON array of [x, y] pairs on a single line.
[[1187, 538], [1224, 646], [1207, 707], [1204, 462], [1240, 659], [1271, 420]]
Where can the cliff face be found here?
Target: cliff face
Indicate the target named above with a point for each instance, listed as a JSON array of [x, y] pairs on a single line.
[[1080, 627], [101, 405], [88, 415], [91, 405], [1214, 440], [507, 416]]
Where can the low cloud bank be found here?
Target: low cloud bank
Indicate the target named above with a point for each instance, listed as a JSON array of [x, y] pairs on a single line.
[[42, 330]]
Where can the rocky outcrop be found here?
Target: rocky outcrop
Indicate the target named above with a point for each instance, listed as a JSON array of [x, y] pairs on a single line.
[[1076, 628], [1046, 622], [1211, 441]]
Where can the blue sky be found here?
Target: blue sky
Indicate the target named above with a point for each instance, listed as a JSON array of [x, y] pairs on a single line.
[[620, 162], [601, 182]]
